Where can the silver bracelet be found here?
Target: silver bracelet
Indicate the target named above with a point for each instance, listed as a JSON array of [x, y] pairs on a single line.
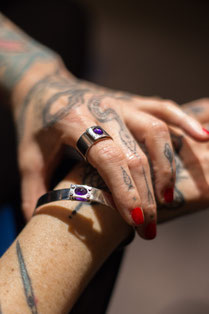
[[81, 193]]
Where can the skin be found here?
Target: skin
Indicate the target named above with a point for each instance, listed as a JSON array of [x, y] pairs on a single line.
[[52, 108], [76, 237]]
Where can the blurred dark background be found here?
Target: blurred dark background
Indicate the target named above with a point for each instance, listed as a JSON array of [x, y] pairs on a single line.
[[153, 48]]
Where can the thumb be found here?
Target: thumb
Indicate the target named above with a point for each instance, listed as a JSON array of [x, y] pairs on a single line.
[[33, 185]]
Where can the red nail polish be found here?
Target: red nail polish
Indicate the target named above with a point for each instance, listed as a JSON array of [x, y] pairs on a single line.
[[205, 130], [150, 231], [168, 195], [137, 216]]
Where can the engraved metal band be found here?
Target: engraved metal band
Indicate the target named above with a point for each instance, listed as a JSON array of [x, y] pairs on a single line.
[[92, 135], [81, 193]]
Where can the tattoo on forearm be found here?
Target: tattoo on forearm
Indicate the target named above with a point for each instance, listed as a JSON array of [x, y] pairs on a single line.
[[18, 52], [127, 180], [169, 155], [26, 280]]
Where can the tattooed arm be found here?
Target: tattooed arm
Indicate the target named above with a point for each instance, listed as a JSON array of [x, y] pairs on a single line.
[[52, 108], [58, 252]]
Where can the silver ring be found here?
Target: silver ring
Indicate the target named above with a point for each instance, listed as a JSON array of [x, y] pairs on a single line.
[[81, 193], [92, 135]]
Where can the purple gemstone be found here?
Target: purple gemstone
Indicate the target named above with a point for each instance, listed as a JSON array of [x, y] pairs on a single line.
[[98, 131], [80, 191], [80, 199]]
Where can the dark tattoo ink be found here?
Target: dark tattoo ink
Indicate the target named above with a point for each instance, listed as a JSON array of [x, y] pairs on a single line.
[[194, 109], [1, 309], [149, 193], [61, 90], [27, 284], [76, 209], [179, 200], [110, 114], [127, 180], [169, 155]]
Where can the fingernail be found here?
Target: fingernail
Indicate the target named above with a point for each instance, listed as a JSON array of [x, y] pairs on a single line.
[[205, 130], [168, 195], [137, 216], [150, 231]]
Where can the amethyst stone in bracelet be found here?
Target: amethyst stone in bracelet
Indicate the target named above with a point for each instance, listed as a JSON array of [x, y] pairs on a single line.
[[81, 193]]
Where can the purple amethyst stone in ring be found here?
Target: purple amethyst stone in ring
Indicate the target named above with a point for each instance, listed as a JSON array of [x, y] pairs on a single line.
[[98, 131], [81, 191]]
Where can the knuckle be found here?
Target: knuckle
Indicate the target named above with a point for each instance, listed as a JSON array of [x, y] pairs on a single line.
[[168, 103], [134, 163], [151, 211], [144, 161], [166, 173], [106, 152], [159, 126]]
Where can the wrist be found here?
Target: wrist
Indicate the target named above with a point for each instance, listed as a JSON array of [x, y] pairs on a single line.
[[36, 73]]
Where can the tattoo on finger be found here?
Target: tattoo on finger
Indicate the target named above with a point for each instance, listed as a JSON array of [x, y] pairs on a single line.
[[169, 155], [127, 179]]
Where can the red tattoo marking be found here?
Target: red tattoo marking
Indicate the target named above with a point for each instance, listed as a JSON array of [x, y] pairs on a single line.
[[11, 46]]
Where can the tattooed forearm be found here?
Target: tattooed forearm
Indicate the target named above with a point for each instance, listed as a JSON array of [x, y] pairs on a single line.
[[27, 284], [169, 155], [18, 52], [127, 180]]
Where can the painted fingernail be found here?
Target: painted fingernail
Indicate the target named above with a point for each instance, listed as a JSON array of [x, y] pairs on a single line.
[[205, 130], [168, 195], [150, 231], [137, 216]]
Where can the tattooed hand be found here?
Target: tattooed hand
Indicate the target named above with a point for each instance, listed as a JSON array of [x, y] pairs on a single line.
[[52, 108], [192, 167]]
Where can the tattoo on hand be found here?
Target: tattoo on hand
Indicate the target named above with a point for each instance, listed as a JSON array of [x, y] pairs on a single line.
[[149, 193], [60, 88], [169, 155], [195, 110], [179, 200], [27, 284], [127, 180], [94, 106]]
